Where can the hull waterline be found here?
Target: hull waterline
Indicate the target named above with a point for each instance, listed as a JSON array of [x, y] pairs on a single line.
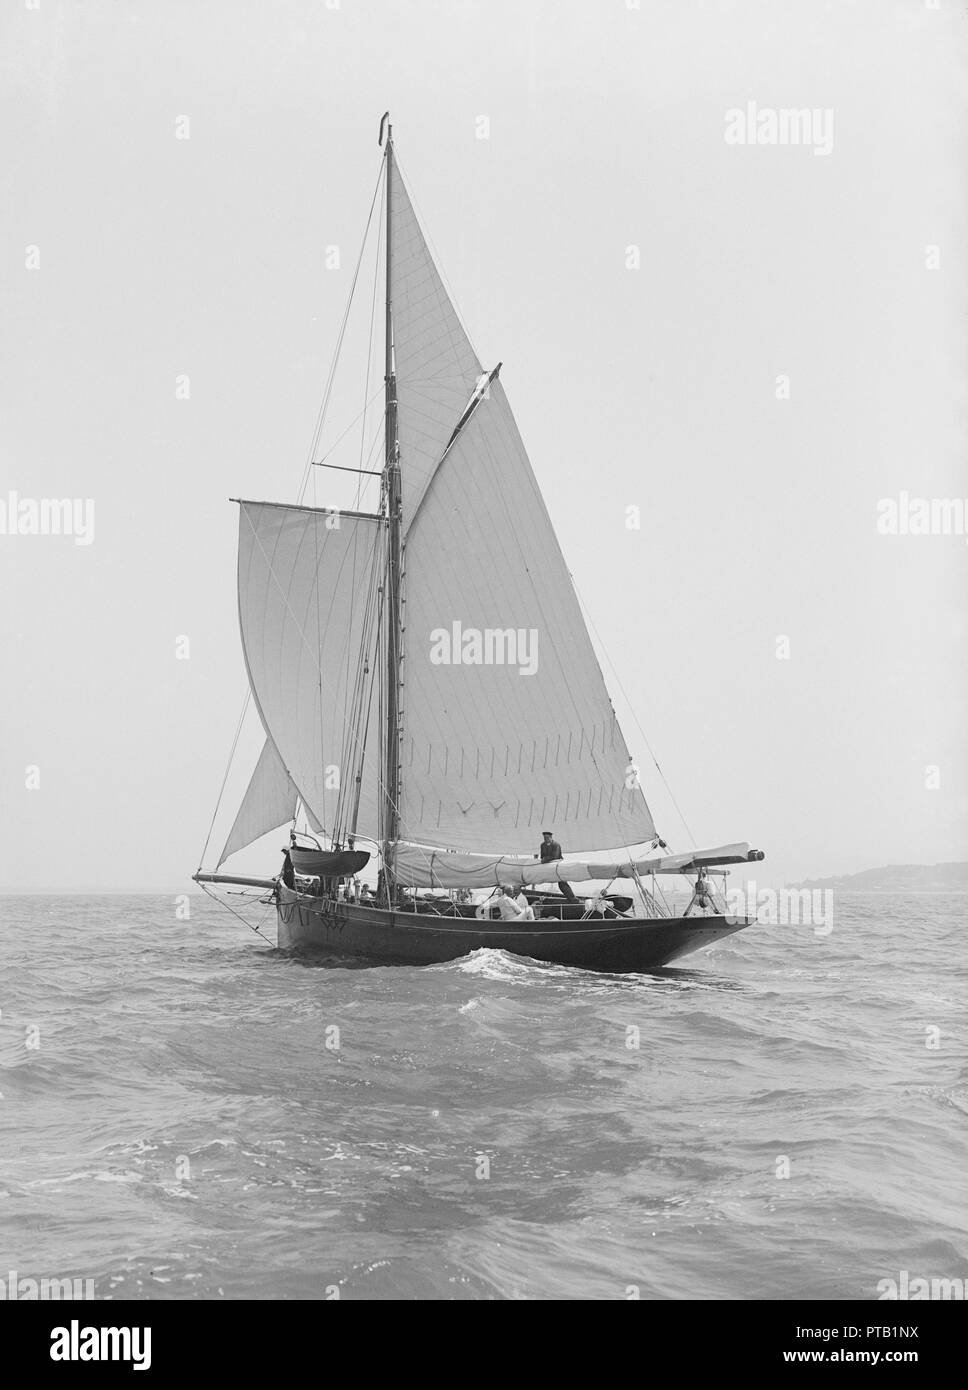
[[360, 932]]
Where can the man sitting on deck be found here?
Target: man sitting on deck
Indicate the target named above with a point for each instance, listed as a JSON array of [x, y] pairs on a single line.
[[505, 904], [550, 850]]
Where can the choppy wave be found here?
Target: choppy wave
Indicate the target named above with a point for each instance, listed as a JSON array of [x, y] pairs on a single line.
[[188, 1113]]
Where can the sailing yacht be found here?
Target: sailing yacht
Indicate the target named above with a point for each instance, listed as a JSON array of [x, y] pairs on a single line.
[[430, 695]]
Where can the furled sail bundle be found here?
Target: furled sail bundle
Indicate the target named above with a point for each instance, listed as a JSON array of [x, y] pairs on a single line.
[[418, 867]]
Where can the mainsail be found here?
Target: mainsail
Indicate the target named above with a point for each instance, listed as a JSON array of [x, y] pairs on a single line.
[[507, 725], [269, 801], [307, 581]]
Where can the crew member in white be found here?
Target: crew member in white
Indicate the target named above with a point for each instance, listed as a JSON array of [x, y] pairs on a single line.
[[526, 908], [505, 904]]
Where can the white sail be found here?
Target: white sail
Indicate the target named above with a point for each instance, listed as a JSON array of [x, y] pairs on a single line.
[[436, 369], [419, 867], [269, 801], [305, 577], [507, 728]]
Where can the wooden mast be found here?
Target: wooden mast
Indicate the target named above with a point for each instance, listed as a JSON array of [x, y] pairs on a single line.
[[391, 772]]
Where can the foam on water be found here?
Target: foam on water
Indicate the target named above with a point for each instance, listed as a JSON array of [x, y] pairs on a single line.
[[191, 1126]]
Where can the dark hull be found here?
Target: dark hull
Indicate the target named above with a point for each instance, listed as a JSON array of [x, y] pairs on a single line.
[[364, 933]]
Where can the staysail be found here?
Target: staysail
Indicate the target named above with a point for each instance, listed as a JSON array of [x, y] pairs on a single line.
[[269, 801], [307, 579]]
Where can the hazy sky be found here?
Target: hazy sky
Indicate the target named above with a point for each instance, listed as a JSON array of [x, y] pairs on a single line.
[[158, 258]]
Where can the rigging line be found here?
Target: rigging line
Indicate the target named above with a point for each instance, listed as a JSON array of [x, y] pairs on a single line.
[[351, 726], [324, 404], [308, 469], [317, 463], [366, 724], [375, 444], [366, 669], [346, 647], [591, 621], [350, 760], [319, 635], [347, 758], [235, 913]]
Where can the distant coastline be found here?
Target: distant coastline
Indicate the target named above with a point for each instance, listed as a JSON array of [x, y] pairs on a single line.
[[897, 878]]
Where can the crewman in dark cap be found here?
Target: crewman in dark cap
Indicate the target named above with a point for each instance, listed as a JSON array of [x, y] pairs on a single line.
[[550, 850]]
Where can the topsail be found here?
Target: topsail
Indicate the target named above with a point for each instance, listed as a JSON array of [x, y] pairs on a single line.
[[307, 581], [436, 369]]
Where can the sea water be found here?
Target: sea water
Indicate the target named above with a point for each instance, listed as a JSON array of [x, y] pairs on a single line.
[[188, 1113]]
